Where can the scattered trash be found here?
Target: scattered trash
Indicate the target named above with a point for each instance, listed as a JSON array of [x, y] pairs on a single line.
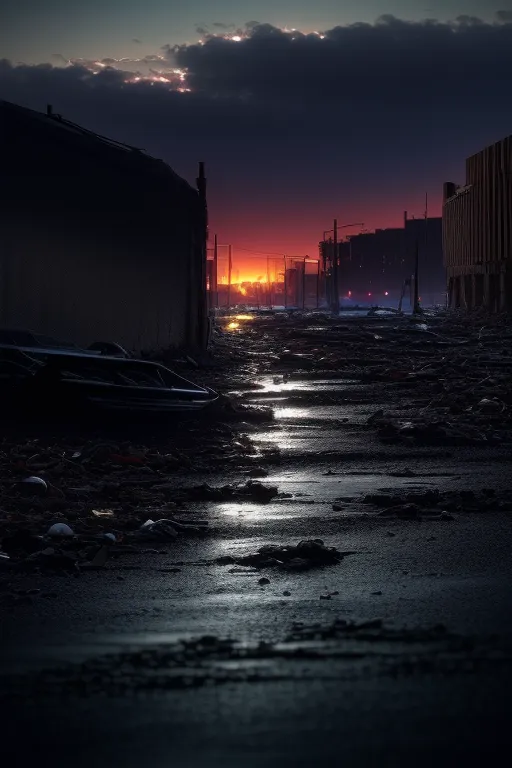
[[303, 556], [251, 491], [4, 559], [22, 542], [60, 529], [34, 486], [161, 529], [98, 560]]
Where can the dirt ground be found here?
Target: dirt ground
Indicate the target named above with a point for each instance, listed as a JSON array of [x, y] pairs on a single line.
[[389, 441]]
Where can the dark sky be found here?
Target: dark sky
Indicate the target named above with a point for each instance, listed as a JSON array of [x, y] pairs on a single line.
[[350, 115]]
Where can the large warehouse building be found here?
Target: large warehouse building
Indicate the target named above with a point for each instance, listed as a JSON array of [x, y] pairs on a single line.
[[477, 232], [98, 241]]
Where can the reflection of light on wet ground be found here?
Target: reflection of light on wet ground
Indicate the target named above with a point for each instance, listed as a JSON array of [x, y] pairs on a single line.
[[268, 385], [292, 413], [254, 512]]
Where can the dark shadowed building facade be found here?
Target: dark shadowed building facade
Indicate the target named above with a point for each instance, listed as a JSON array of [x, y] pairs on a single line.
[[477, 231], [374, 265], [98, 241]]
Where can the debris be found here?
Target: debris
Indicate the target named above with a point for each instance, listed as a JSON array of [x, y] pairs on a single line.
[[251, 491], [34, 486], [161, 529], [53, 560], [303, 556], [22, 542], [258, 472], [98, 560], [60, 529]]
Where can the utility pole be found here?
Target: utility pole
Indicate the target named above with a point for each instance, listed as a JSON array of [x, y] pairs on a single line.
[[216, 270], [285, 286], [336, 295], [269, 287], [304, 284], [416, 303], [230, 268], [329, 277]]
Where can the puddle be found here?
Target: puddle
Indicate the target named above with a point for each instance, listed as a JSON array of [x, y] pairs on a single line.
[[269, 384]]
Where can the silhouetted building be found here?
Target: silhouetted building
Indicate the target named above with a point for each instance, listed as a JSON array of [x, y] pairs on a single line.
[[373, 265], [98, 241], [477, 231]]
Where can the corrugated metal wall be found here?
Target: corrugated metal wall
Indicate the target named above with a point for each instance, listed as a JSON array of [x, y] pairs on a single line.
[[143, 294], [477, 232], [96, 243]]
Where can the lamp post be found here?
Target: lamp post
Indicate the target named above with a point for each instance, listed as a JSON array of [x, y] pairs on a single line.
[[335, 305]]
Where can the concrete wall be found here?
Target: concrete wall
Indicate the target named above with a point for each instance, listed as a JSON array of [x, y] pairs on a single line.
[[477, 232]]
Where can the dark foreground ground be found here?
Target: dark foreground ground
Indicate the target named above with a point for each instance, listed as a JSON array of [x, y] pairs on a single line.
[[389, 441]]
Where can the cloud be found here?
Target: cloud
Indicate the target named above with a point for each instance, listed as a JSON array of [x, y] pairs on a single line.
[[393, 80], [391, 63], [504, 16], [58, 58]]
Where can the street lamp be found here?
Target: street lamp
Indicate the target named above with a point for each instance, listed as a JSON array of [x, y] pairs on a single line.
[[336, 299]]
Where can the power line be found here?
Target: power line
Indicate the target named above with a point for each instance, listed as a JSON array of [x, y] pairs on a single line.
[[261, 253]]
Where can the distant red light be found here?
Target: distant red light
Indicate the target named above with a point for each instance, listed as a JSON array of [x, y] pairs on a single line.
[[350, 293], [369, 294], [386, 293]]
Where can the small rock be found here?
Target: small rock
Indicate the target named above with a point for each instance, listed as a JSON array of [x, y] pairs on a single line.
[[377, 593], [258, 472], [325, 597], [263, 581], [286, 593]]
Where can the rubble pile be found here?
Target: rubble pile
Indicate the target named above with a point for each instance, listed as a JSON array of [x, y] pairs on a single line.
[[453, 370], [434, 504], [102, 496], [300, 557]]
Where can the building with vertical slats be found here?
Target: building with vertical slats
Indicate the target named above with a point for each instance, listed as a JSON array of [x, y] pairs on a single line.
[[477, 232]]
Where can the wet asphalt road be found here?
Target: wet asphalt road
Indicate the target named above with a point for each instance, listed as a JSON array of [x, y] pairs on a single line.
[[328, 711]]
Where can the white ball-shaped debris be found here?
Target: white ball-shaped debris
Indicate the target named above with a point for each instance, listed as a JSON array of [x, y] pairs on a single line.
[[34, 486], [60, 529]]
